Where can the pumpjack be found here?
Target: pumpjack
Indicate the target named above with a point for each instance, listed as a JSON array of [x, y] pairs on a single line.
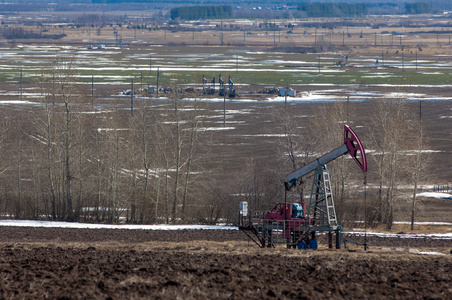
[[291, 223], [208, 89], [231, 88], [204, 84], [221, 89]]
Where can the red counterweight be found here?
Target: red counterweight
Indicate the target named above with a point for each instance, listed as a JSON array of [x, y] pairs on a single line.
[[352, 145], [355, 147]]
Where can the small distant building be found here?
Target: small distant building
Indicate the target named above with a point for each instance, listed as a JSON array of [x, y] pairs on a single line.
[[287, 91], [128, 92]]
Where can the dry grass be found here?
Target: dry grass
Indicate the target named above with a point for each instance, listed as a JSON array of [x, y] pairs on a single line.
[[241, 145], [418, 229]]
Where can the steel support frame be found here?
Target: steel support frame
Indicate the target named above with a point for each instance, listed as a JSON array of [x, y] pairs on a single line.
[[321, 210]]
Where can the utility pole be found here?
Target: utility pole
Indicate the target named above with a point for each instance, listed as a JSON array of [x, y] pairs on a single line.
[[20, 83], [416, 60], [403, 64], [285, 100], [365, 211], [319, 63], [158, 73], [92, 91], [131, 98], [224, 109]]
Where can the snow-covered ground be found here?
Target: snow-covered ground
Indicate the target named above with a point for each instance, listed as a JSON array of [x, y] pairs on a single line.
[[33, 223]]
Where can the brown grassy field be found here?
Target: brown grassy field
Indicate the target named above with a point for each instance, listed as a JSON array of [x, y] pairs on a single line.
[[251, 133], [119, 264]]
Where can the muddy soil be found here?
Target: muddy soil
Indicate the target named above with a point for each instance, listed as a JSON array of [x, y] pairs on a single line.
[[51, 263]]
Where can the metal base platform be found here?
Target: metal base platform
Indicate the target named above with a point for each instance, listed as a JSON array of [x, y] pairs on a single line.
[[266, 233]]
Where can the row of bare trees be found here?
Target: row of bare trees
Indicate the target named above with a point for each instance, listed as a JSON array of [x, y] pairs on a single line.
[[72, 162]]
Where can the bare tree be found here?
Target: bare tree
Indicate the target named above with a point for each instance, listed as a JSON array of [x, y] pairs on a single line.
[[146, 138], [164, 157], [19, 209], [49, 135], [418, 165], [60, 89], [177, 140], [258, 185], [82, 154], [390, 132], [297, 142], [4, 144], [184, 137], [98, 158], [193, 121], [167, 188], [132, 171], [113, 158]]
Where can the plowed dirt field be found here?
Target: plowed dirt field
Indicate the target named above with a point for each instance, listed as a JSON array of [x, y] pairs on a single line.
[[58, 263]]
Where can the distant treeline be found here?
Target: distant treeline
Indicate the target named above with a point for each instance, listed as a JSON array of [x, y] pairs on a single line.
[[333, 10], [418, 8], [383, 4], [20, 33], [202, 12], [22, 7]]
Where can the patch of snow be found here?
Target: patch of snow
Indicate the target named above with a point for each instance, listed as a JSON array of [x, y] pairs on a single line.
[[431, 253], [435, 195], [264, 135], [215, 128], [426, 223], [110, 129], [404, 236], [18, 102], [50, 224]]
